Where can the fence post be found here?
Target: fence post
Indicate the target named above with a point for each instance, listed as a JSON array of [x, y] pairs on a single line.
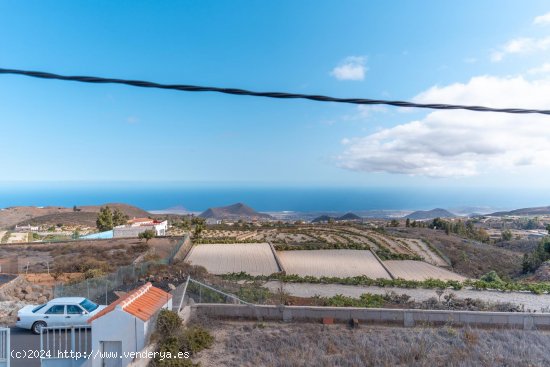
[[183, 295], [8, 350], [73, 342]]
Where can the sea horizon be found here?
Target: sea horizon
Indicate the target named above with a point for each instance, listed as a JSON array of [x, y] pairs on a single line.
[[156, 197]]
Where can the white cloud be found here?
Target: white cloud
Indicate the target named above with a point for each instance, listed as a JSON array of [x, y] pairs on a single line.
[[521, 45], [351, 68], [542, 19], [365, 111], [462, 143], [543, 69]]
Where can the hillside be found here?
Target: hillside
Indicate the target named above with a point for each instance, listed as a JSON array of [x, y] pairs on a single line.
[[349, 216], [542, 210], [9, 217], [430, 214], [86, 215], [233, 212], [345, 217], [468, 257]]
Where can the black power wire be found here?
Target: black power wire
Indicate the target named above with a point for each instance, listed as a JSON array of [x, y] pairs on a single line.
[[280, 95]]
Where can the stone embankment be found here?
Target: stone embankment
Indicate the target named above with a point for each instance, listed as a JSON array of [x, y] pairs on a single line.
[[18, 293]]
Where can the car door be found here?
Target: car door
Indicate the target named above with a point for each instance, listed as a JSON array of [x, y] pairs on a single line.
[[55, 315], [76, 316]]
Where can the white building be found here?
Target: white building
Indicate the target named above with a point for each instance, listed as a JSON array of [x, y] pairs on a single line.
[[26, 228], [138, 225], [124, 326], [211, 221]]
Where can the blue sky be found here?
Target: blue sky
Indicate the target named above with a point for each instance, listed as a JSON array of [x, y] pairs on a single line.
[[494, 52]]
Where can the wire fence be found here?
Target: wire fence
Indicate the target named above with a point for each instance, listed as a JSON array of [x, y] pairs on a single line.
[[101, 289], [194, 291]]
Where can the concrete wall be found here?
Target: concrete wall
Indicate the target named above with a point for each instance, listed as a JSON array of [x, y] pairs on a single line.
[[143, 359], [118, 325], [277, 260], [408, 318], [184, 249], [130, 231]]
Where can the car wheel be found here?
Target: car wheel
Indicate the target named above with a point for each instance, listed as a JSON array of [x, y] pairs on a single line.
[[37, 327]]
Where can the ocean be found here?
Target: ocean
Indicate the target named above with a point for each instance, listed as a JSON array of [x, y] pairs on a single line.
[[272, 199]]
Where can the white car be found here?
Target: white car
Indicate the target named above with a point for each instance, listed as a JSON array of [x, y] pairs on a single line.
[[59, 312]]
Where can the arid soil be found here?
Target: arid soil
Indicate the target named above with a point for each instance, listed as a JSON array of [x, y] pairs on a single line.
[[334, 263], [284, 345], [252, 258]]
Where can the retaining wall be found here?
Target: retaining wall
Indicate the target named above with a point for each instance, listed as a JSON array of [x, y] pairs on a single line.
[[277, 260], [407, 318], [184, 249]]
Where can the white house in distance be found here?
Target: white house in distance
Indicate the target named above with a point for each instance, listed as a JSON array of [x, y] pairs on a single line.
[[124, 325], [138, 225]]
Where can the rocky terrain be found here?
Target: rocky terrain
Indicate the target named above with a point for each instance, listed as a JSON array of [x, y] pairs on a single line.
[[18, 293]]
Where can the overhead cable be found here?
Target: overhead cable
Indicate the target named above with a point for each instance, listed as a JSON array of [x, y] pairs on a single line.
[[279, 95]]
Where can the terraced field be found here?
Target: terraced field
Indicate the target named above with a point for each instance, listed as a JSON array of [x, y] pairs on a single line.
[[419, 270], [420, 248], [391, 244], [334, 263], [252, 258]]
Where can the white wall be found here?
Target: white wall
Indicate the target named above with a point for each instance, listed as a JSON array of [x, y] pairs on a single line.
[[118, 325]]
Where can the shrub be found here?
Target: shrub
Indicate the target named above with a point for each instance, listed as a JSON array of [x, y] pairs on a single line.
[[175, 339], [168, 323], [491, 277], [171, 345], [93, 273], [196, 339]]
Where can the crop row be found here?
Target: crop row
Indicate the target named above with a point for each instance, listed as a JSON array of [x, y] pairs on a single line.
[[536, 288]]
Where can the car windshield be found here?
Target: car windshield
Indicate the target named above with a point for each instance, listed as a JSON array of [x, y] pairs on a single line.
[[88, 305], [37, 308]]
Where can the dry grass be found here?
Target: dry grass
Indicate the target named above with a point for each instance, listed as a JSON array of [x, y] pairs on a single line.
[[286, 345], [78, 256], [468, 257]]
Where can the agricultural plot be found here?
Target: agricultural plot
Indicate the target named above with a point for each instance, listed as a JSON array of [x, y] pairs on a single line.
[[251, 258], [420, 248], [18, 237], [390, 243], [332, 263], [419, 270], [216, 233]]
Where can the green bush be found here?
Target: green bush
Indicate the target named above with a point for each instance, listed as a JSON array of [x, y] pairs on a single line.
[[491, 277], [536, 288], [171, 345], [174, 339], [93, 273], [169, 323], [195, 339]]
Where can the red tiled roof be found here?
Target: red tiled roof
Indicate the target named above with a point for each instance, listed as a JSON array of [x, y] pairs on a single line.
[[142, 302]]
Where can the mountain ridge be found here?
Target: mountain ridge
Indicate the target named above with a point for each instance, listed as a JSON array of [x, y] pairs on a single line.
[[233, 211], [430, 214]]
